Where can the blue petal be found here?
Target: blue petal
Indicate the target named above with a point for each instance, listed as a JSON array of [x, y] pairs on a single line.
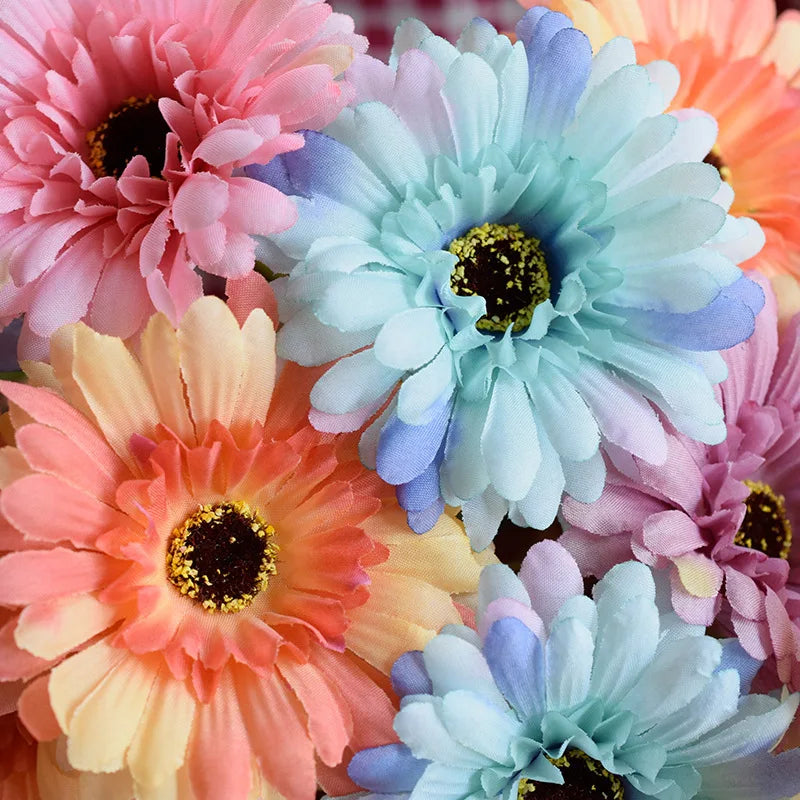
[[423, 521], [422, 492], [406, 451], [409, 675], [728, 320], [516, 659], [390, 768], [734, 656]]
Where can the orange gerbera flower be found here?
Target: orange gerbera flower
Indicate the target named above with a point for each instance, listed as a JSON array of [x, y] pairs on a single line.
[[206, 596], [741, 65]]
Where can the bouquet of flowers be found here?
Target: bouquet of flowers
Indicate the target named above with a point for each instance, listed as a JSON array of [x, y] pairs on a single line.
[[420, 429]]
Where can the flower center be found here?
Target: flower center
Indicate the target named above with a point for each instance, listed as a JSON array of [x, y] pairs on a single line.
[[765, 526], [136, 127], [715, 159], [222, 556], [584, 779], [505, 267]]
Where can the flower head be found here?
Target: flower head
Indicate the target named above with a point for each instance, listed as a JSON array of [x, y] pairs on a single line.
[[742, 66], [123, 130], [512, 253], [722, 520], [558, 694], [204, 594]]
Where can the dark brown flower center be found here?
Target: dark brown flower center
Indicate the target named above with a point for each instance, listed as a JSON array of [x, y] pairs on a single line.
[[505, 267], [222, 556], [765, 526], [584, 779], [136, 127], [715, 159]]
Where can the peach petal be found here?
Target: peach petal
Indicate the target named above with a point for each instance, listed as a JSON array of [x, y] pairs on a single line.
[[49, 450], [159, 745], [45, 508], [43, 406], [330, 723], [104, 723], [36, 713], [16, 664], [258, 381], [12, 467], [218, 756], [372, 710], [53, 627], [212, 361], [784, 49], [114, 388], [30, 576], [75, 678], [160, 355], [276, 729]]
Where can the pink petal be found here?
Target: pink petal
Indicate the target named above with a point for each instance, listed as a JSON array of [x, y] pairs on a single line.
[[595, 555], [120, 304], [36, 713], [237, 259], [672, 533], [207, 245], [505, 607], [744, 595], [258, 208], [231, 141], [200, 202], [551, 576], [753, 636], [64, 292], [251, 292]]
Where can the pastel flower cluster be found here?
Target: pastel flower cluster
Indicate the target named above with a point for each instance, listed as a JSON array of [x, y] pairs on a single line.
[[295, 341]]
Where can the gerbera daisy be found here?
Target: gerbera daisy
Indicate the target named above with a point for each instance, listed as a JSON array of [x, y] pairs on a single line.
[[123, 126], [208, 594], [740, 64], [720, 519], [511, 252], [564, 697]]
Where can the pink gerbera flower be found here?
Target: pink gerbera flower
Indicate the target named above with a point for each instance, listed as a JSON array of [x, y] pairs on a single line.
[[206, 598], [720, 518], [123, 128]]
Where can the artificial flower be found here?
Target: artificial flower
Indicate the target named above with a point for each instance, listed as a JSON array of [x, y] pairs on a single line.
[[741, 65], [17, 760], [720, 519], [206, 591], [561, 697], [123, 128], [512, 253]]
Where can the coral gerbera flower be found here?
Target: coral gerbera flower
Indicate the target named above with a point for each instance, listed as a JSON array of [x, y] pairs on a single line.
[[722, 520], [208, 594], [510, 249], [123, 126], [741, 65], [562, 697]]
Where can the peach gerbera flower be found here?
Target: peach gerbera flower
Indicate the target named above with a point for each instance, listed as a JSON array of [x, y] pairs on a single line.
[[209, 594], [124, 125], [741, 65]]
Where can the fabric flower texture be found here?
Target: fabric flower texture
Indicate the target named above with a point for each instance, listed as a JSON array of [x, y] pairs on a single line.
[[123, 128], [204, 595], [562, 697], [516, 237], [720, 519], [740, 64]]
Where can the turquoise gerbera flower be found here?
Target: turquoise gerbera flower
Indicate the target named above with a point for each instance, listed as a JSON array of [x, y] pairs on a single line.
[[559, 693], [513, 253]]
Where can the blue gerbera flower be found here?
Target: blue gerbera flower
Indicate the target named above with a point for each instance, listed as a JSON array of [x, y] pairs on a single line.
[[515, 255], [564, 693]]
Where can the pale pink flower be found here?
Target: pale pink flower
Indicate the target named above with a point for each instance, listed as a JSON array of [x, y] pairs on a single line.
[[124, 125], [720, 519]]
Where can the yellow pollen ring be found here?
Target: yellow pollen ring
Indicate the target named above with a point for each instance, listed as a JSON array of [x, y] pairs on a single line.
[[506, 267], [210, 527], [766, 506], [583, 775]]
